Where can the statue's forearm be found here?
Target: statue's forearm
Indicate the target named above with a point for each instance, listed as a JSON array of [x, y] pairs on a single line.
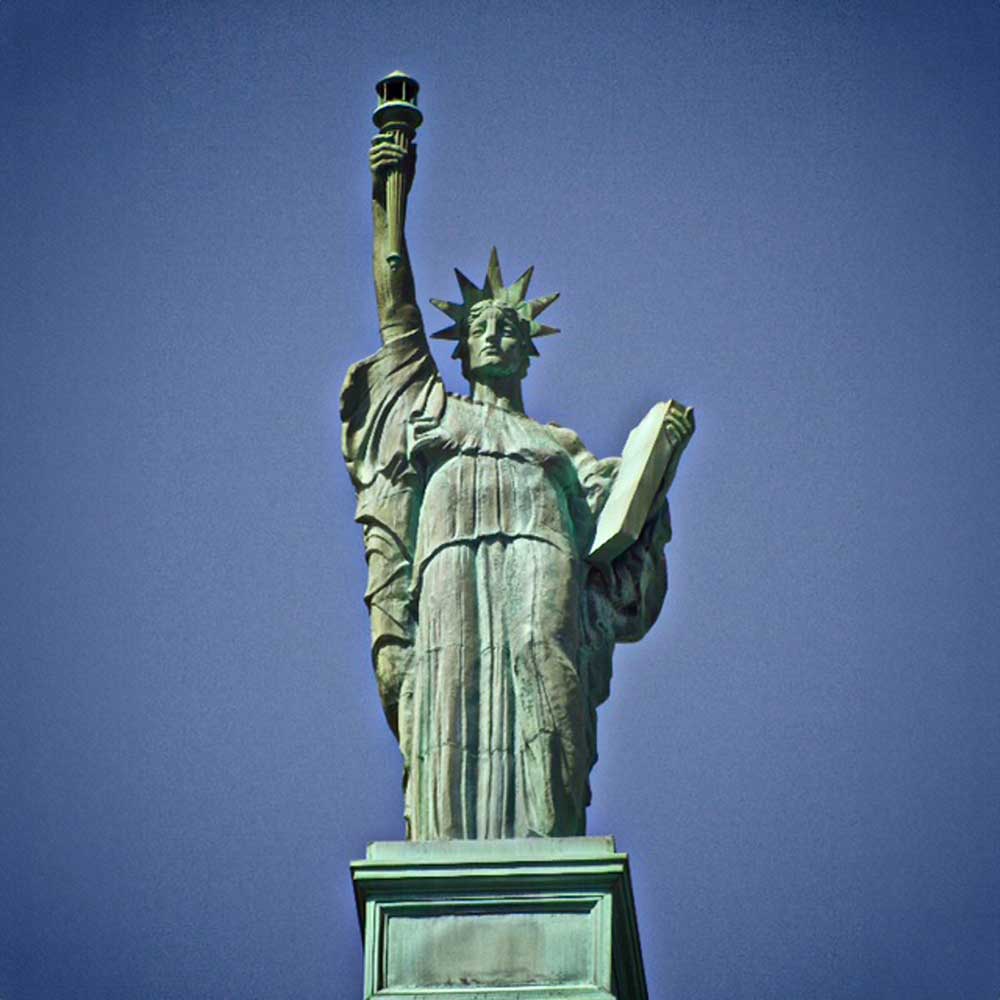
[[394, 288]]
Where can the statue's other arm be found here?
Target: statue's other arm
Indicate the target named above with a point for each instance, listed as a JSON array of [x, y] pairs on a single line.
[[678, 426], [394, 289]]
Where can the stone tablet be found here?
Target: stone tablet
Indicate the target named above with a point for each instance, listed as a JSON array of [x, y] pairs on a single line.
[[645, 458]]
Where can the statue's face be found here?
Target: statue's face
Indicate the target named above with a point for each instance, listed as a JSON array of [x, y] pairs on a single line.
[[494, 344]]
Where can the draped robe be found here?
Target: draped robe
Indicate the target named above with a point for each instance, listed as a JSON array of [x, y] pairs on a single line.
[[491, 633]]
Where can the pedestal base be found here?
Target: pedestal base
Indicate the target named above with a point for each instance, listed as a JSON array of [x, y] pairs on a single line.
[[538, 919]]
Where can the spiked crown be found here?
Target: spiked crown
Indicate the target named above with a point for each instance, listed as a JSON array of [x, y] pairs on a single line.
[[511, 296]]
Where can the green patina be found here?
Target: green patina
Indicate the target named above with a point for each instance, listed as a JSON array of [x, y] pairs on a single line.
[[494, 615]]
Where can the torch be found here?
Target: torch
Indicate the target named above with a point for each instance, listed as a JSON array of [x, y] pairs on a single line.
[[397, 115]]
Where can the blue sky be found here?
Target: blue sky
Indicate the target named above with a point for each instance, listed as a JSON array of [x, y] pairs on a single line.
[[785, 214]]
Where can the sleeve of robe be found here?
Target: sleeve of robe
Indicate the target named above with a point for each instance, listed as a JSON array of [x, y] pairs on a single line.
[[381, 396]]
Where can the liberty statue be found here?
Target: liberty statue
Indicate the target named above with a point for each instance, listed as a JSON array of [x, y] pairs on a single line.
[[493, 617]]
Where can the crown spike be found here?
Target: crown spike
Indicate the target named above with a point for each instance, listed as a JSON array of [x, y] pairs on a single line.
[[538, 305], [470, 292], [494, 280], [520, 287], [453, 310]]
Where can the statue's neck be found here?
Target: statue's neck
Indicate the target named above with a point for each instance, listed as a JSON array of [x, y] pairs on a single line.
[[502, 392]]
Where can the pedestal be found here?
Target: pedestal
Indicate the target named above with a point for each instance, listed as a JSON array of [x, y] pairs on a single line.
[[537, 919]]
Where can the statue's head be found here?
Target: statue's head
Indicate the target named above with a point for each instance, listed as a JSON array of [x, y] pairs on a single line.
[[494, 326]]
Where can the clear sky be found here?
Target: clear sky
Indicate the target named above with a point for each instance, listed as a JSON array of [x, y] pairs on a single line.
[[785, 214]]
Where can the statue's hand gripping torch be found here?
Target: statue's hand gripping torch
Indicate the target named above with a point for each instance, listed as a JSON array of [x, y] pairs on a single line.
[[397, 115]]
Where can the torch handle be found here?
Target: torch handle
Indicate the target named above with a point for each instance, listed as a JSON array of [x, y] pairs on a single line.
[[395, 202]]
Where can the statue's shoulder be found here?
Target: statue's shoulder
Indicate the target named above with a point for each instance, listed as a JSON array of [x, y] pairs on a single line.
[[567, 438], [408, 346], [401, 362]]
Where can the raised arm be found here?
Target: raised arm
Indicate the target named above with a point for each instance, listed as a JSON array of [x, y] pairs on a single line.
[[394, 291]]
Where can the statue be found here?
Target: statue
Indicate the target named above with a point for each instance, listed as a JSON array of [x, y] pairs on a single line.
[[493, 620]]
